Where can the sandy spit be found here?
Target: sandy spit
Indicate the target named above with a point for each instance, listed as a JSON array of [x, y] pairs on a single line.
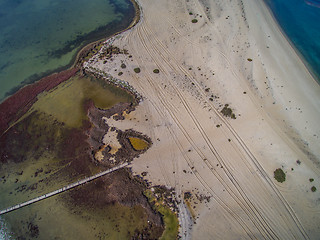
[[234, 54]]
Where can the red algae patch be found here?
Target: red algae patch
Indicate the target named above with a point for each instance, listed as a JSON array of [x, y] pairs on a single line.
[[19, 103]]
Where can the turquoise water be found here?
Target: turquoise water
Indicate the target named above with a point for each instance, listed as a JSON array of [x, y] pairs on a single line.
[[300, 20], [40, 36]]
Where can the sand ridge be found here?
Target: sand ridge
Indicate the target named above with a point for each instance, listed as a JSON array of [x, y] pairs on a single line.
[[235, 55]]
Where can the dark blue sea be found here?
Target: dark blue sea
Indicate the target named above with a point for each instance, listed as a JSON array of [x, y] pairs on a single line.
[[300, 21]]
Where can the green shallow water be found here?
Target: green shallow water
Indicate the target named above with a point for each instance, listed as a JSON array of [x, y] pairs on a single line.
[[40, 36], [53, 219], [47, 150]]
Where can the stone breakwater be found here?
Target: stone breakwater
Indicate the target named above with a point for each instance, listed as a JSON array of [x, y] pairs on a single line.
[[112, 80], [88, 67]]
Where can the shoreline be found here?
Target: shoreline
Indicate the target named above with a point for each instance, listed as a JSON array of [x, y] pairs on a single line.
[[225, 165], [232, 54], [87, 47], [283, 64], [312, 72], [29, 95]]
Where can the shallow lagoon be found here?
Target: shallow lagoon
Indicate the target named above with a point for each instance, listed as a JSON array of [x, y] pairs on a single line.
[[40, 36], [48, 149]]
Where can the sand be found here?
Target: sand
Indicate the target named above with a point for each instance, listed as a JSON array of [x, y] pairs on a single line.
[[235, 54]]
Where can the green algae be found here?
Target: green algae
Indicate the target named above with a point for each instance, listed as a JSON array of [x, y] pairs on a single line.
[[46, 150], [109, 222], [171, 223], [35, 149], [169, 217], [66, 102], [138, 144]]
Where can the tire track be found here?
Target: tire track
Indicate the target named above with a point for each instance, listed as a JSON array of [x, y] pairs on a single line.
[[192, 144], [222, 162], [237, 137], [159, 53]]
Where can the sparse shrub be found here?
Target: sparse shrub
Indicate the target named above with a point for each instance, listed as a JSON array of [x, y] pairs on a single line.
[[120, 73], [313, 189], [156, 70], [249, 59], [190, 13], [123, 65], [187, 195], [194, 20], [311, 179], [227, 112], [137, 70], [279, 175]]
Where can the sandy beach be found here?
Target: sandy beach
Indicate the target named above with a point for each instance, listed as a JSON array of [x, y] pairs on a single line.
[[235, 54]]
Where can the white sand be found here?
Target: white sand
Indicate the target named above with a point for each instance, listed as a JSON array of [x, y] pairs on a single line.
[[277, 117]]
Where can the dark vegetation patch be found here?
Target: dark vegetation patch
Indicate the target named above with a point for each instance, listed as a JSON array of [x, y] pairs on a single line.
[[40, 134], [227, 112], [126, 153], [33, 230], [161, 199], [313, 189], [156, 70], [194, 20], [249, 59], [105, 53], [279, 175], [187, 195], [125, 192], [34, 136], [137, 70]]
